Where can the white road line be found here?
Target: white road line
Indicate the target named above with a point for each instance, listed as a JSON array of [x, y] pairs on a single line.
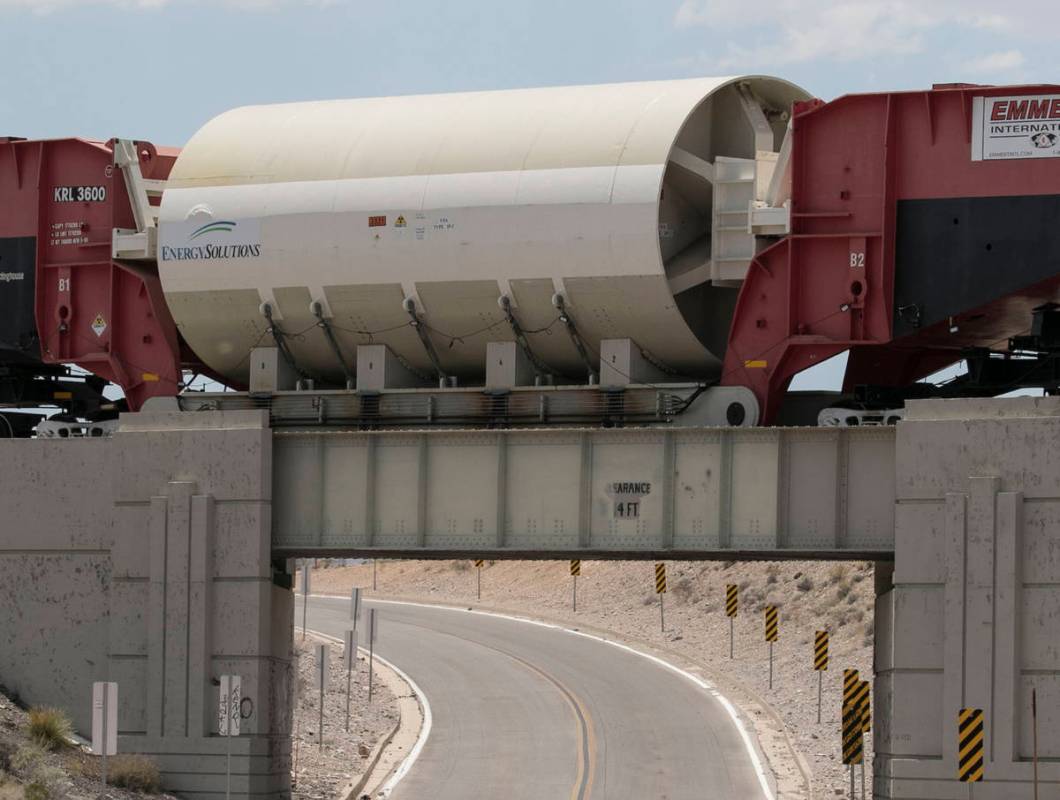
[[425, 731], [759, 767]]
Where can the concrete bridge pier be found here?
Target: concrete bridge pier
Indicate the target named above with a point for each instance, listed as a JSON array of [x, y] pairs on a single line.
[[973, 618], [146, 559]]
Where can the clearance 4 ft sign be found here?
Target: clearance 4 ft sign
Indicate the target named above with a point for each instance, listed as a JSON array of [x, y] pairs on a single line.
[[1025, 126]]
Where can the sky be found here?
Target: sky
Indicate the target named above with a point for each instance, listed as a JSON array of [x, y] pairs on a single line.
[[159, 69]]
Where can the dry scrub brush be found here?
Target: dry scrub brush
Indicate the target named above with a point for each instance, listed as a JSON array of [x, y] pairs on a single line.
[[49, 727], [134, 772]]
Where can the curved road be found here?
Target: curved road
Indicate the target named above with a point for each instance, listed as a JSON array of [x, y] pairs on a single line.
[[526, 711]]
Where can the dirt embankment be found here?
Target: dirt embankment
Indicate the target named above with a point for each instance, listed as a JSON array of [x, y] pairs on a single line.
[[319, 773], [29, 770], [619, 597]]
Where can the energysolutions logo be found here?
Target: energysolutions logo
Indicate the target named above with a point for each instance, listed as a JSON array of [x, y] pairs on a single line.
[[211, 227], [218, 239]]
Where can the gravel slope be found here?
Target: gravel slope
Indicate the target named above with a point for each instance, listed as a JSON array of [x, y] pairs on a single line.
[[319, 773], [619, 596], [70, 773]]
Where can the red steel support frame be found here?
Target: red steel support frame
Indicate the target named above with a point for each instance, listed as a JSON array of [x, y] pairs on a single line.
[[104, 315], [829, 286]]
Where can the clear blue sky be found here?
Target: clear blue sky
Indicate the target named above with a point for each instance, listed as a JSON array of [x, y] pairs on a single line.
[[158, 69]]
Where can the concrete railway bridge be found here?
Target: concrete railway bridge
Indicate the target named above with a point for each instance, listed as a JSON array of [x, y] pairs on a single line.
[[158, 558]]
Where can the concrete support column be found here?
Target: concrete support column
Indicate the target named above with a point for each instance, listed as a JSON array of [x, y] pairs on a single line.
[[973, 618], [204, 485], [201, 703]]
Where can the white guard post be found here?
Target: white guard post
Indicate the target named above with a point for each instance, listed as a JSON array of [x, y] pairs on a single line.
[[322, 683], [229, 717], [105, 721]]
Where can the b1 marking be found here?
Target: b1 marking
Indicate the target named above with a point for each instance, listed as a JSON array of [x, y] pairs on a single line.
[[80, 194]]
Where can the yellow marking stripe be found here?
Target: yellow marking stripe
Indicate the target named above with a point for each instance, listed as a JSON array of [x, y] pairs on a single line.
[[820, 651], [660, 578], [864, 705], [771, 623], [853, 744], [587, 752], [970, 739], [850, 684]]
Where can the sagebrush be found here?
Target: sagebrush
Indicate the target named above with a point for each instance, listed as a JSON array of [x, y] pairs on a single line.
[[134, 772], [49, 727]]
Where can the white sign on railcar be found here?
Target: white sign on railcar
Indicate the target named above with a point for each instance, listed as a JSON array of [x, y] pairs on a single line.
[[204, 238], [105, 718], [1023, 126]]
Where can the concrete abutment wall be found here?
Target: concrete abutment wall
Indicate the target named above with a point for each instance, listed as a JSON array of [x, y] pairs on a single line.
[[973, 618], [145, 559]]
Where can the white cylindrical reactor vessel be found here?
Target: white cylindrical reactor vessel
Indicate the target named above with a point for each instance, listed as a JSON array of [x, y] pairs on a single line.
[[454, 201]]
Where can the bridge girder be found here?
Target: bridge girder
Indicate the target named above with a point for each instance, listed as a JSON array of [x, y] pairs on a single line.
[[694, 493]]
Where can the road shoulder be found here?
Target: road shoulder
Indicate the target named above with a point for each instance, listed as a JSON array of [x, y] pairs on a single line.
[[393, 752]]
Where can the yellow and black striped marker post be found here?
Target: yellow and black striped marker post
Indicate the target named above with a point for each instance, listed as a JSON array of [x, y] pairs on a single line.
[[853, 741], [865, 699], [820, 664], [575, 571], [861, 701], [732, 600], [732, 605], [820, 651], [772, 634], [660, 589], [772, 626], [850, 685], [970, 745], [479, 564], [850, 691]]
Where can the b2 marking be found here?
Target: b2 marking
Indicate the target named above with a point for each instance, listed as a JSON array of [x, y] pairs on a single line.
[[857, 260]]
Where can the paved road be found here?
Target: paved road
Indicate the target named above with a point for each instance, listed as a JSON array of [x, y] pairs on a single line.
[[523, 711]]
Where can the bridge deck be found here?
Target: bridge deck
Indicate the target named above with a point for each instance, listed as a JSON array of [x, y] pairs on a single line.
[[674, 493]]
